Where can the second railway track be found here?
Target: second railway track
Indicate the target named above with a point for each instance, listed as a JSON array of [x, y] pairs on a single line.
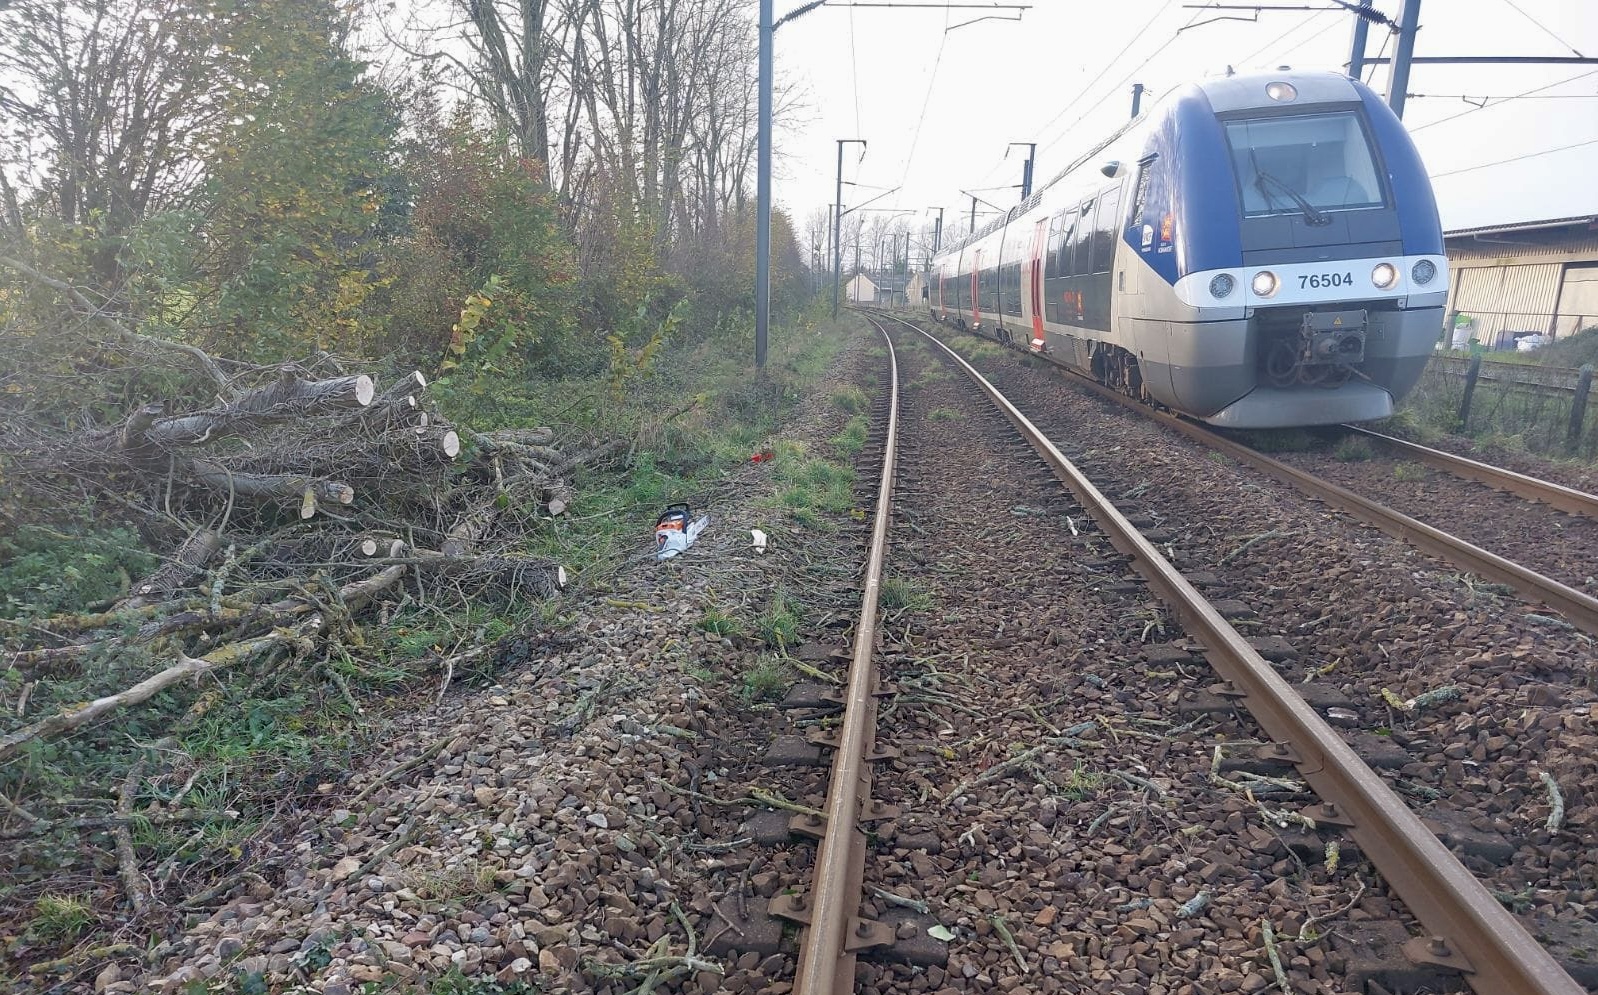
[[1044, 643]]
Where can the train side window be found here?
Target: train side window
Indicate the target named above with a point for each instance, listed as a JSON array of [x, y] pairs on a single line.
[[1011, 277], [1140, 199], [1062, 244], [1082, 242], [1051, 252], [1106, 224]]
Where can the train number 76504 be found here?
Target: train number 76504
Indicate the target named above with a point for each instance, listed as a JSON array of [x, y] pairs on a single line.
[[1316, 281]]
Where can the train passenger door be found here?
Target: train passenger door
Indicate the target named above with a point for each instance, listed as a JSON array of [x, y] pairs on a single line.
[[976, 277], [1034, 290]]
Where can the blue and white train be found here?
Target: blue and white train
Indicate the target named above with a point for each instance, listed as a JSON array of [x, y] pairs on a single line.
[[1256, 251]]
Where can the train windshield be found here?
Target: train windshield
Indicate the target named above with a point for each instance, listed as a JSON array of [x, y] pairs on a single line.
[[1304, 163]]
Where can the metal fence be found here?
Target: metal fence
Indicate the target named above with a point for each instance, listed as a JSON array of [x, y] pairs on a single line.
[[1546, 407]]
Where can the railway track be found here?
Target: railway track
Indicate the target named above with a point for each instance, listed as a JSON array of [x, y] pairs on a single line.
[[1467, 931], [1567, 499], [1579, 607]]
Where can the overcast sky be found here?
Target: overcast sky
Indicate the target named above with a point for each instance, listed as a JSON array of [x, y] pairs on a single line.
[[939, 106]]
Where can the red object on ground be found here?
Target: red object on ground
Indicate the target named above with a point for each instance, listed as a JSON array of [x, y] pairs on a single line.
[[764, 456]]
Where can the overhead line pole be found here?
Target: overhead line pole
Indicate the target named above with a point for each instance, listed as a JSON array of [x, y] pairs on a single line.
[[768, 29], [1026, 171], [1398, 79], [1356, 48], [763, 193], [837, 223], [974, 199]]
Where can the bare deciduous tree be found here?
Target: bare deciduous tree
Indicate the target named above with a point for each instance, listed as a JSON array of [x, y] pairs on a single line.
[[107, 104]]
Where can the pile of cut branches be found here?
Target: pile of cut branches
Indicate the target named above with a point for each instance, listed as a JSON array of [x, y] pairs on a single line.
[[294, 507]]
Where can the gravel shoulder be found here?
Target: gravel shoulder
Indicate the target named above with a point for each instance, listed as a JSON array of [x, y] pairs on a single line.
[[544, 829]]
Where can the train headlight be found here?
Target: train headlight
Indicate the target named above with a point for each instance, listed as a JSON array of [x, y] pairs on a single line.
[[1264, 284], [1222, 285], [1424, 272], [1285, 92], [1384, 276]]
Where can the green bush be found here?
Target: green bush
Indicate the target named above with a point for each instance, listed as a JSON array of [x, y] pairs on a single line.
[[58, 918], [767, 680], [901, 593], [1573, 350]]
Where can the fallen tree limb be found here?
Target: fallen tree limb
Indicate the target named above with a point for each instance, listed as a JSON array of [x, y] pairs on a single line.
[[543, 435], [92, 956], [464, 535], [127, 858], [90, 824], [71, 717], [353, 596], [432, 751], [289, 397], [279, 486], [52, 661], [198, 550]]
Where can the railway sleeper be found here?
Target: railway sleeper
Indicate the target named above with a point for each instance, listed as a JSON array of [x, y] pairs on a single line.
[[1371, 957]]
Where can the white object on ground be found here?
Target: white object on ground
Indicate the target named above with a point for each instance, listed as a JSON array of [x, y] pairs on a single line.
[[760, 540]]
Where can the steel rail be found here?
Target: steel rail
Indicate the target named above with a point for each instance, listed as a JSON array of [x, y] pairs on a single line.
[[1555, 495], [826, 961], [1468, 927], [1580, 608]]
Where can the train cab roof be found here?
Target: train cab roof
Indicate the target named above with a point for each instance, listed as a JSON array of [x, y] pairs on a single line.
[[1255, 90]]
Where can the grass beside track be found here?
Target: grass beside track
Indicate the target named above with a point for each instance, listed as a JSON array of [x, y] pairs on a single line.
[[681, 428]]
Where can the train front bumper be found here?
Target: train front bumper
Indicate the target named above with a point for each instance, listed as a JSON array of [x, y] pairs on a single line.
[[1213, 372]]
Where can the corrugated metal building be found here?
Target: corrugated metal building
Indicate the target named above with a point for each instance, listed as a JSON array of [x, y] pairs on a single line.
[[1515, 280]]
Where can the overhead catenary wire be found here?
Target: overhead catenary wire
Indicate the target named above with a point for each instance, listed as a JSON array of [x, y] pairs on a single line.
[[854, 74], [1484, 96], [1109, 65], [1505, 100], [926, 101], [1113, 90], [1516, 158], [1545, 29], [1300, 26], [1370, 67], [1086, 89], [1155, 54]]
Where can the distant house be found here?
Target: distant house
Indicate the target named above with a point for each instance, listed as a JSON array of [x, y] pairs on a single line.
[[1509, 281], [861, 288], [915, 291], [899, 289]]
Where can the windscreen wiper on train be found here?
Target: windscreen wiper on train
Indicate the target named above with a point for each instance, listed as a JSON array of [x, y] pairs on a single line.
[[1261, 177]]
